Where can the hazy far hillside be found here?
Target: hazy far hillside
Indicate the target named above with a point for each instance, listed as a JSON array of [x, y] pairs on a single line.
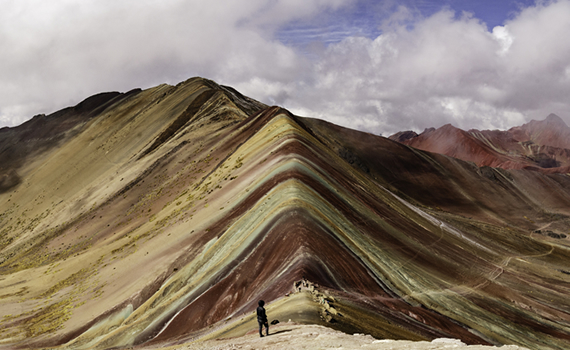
[[159, 216], [539, 145]]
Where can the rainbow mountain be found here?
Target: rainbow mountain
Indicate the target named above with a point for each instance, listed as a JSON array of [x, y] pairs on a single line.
[[160, 216]]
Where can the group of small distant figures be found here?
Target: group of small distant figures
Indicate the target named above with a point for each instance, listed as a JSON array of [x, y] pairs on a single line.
[[328, 310]]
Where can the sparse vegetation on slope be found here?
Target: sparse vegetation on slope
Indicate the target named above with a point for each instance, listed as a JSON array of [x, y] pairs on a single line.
[[168, 213]]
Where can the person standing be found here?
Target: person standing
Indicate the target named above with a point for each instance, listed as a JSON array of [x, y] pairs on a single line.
[[262, 318]]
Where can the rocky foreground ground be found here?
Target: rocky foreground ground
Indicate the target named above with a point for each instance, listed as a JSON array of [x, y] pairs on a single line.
[[292, 336]]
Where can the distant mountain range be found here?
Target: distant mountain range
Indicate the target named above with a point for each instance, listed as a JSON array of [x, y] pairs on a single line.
[[161, 216], [538, 145]]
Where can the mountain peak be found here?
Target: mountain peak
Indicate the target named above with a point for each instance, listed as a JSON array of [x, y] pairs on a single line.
[[555, 120], [403, 136]]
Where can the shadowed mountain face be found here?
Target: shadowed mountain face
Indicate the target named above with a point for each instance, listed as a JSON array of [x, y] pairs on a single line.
[[539, 145], [166, 214]]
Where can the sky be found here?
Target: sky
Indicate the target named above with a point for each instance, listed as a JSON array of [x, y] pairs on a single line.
[[378, 66]]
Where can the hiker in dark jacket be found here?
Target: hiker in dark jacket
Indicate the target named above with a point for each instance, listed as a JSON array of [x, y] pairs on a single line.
[[262, 318]]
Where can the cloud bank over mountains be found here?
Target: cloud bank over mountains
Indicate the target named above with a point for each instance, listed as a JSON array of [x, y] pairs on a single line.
[[418, 71]]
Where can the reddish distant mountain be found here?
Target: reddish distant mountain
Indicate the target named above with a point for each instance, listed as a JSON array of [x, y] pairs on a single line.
[[538, 145]]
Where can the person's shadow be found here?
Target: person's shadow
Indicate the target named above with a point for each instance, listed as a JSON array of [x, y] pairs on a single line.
[[279, 332]]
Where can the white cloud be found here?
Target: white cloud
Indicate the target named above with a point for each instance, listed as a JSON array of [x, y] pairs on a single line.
[[445, 69], [420, 72], [404, 78], [58, 52], [504, 38]]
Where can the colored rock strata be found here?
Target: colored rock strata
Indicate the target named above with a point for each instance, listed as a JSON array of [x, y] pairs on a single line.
[[164, 215]]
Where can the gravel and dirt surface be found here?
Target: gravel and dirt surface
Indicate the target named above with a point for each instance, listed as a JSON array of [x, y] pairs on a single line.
[[292, 336]]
